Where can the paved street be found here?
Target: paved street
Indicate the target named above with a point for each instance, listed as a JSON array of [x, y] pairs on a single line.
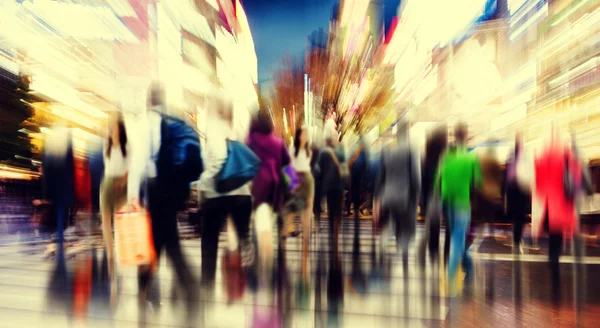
[[507, 291]]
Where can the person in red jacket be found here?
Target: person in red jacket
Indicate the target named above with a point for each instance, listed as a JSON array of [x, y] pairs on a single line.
[[553, 204]]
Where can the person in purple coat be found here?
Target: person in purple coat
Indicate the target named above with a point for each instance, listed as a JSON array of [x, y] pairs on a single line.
[[268, 186]]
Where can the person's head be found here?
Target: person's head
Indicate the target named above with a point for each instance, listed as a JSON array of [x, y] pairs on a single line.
[[437, 141], [301, 141], [117, 134], [461, 133], [156, 95], [262, 123]]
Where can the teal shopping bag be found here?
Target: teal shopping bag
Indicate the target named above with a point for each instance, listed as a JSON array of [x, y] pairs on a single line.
[[240, 167]]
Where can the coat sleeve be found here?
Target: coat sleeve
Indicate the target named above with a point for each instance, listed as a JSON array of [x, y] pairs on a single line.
[[415, 169]]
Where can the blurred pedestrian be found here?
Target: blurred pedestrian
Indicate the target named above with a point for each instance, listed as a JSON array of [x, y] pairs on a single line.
[[164, 197], [236, 204], [330, 177], [114, 189], [301, 202], [459, 173], [558, 175], [435, 148], [516, 198], [397, 190], [267, 186]]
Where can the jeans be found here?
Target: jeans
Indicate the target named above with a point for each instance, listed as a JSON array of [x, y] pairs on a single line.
[[459, 220]]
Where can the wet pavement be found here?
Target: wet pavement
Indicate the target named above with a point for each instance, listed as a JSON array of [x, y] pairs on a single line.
[[355, 288]]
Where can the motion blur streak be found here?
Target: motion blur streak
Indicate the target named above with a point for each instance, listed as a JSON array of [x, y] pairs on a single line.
[[402, 163]]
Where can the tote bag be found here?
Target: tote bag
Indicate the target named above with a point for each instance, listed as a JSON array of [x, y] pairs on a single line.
[[133, 237], [240, 167]]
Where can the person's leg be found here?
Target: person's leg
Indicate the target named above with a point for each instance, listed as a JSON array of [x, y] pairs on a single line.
[[334, 206], [459, 222], [241, 212], [149, 286], [447, 233], [555, 241], [106, 211], [216, 214], [307, 213]]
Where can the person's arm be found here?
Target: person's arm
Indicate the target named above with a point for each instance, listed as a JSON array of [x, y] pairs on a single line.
[[415, 173], [215, 156]]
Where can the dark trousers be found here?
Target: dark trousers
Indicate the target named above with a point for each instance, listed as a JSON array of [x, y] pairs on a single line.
[[518, 206], [217, 212], [334, 209], [518, 221], [165, 237]]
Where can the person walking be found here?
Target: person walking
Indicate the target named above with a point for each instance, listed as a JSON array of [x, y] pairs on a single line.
[[516, 199], [114, 191], [558, 176], [330, 177], [434, 150], [164, 197], [459, 172], [397, 190], [267, 186], [302, 198], [236, 204]]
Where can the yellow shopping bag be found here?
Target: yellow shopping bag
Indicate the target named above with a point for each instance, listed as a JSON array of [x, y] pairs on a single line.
[[133, 237]]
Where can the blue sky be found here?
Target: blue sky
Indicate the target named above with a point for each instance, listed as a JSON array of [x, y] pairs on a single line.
[[282, 26]]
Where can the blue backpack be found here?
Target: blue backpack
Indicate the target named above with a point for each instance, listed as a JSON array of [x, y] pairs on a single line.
[[180, 157]]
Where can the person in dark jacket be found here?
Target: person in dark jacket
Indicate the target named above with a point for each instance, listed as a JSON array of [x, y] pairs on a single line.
[[517, 201], [436, 145], [330, 180], [397, 190], [163, 210]]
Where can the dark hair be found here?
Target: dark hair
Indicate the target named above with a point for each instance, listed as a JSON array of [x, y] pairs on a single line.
[[437, 142], [297, 143], [262, 123], [122, 137], [461, 130]]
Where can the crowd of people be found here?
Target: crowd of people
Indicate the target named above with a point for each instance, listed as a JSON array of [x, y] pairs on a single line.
[[300, 180]]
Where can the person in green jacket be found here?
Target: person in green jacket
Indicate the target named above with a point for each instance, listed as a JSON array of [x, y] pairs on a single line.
[[459, 173]]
